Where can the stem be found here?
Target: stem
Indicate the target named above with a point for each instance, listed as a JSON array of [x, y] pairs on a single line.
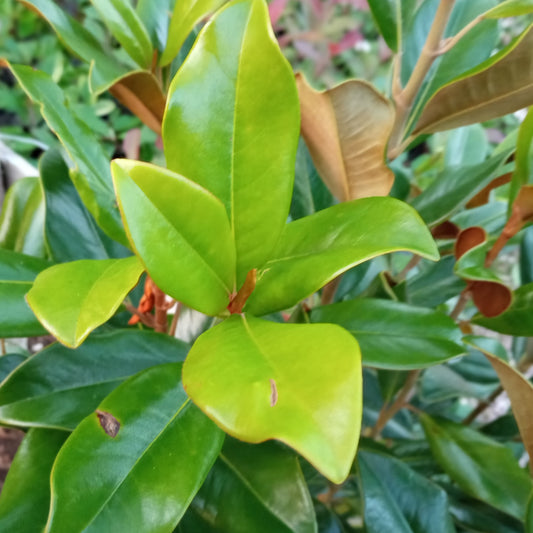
[[175, 318], [160, 310], [405, 100], [461, 303], [3, 346], [449, 43], [402, 399], [329, 290], [146, 318], [481, 406], [413, 262]]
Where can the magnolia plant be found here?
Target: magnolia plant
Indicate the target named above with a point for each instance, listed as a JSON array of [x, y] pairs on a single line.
[[326, 306]]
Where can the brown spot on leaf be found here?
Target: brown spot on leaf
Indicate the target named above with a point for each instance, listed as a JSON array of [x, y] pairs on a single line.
[[108, 422], [446, 230], [273, 393]]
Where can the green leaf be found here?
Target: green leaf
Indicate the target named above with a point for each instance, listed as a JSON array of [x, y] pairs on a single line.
[[155, 18], [9, 362], [71, 232], [92, 176], [187, 249], [72, 299], [22, 218], [185, 16], [452, 190], [17, 272], [234, 134], [398, 499], [523, 157], [104, 67], [391, 16], [518, 319], [58, 386], [25, 499], [298, 383], [395, 335], [466, 147], [510, 8], [500, 85], [482, 467], [127, 28], [148, 468], [529, 515], [314, 250], [257, 488]]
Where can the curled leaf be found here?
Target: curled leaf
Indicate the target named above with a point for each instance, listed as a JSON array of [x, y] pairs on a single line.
[[468, 239], [346, 129]]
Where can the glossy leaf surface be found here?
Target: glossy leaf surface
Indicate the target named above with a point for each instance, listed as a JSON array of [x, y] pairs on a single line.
[[398, 499], [510, 8], [72, 299], [297, 383], [395, 335], [22, 218], [391, 16], [127, 28], [234, 134], [143, 478], [185, 16], [521, 174], [25, 499], [257, 488], [58, 386], [177, 247], [480, 466], [316, 249], [92, 176], [17, 272], [346, 129], [79, 40], [500, 85], [520, 393], [71, 232], [155, 18]]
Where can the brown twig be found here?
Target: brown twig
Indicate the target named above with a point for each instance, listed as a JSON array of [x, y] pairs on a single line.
[[145, 318], [481, 406], [461, 303], [175, 318], [161, 310], [329, 290], [413, 262], [3, 346]]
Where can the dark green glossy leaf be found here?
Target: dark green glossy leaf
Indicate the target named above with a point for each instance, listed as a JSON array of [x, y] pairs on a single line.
[[22, 218], [92, 176], [58, 386], [127, 28], [316, 249], [187, 248], [452, 190], [234, 134], [398, 499], [523, 157], [529, 515], [17, 272], [104, 67], [72, 299], [25, 499], [155, 18], [260, 380], [526, 256], [395, 335], [185, 16], [257, 488], [482, 467], [71, 232], [391, 16], [143, 473], [9, 362]]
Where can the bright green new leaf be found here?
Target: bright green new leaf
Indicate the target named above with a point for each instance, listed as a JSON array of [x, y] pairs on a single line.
[[391, 17], [297, 383], [185, 16], [500, 85], [234, 134], [181, 233], [518, 319], [70, 230], [136, 463], [452, 190], [22, 218], [25, 499], [58, 386], [481, 466], [17, 272], [72, 299], [395, 335], [92, 176], [398, 499], [470, 265], [263, 491], [316, 249], [127, 28], [155, 18], [104, 67], [510, 8]]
